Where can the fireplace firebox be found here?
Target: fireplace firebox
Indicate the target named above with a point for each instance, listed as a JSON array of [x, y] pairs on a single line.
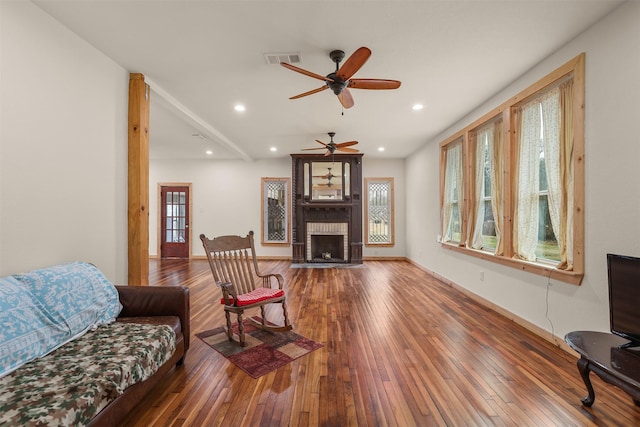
[[326, 248]]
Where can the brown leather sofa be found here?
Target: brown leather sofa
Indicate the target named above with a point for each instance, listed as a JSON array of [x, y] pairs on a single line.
[[157, 305]]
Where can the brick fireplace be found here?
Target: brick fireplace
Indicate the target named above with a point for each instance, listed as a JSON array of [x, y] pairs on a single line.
[[327, 242]]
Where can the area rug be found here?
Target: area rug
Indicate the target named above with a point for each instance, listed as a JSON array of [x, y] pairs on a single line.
[[264, 352]]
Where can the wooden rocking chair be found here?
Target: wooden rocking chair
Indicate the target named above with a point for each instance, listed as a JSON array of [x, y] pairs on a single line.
[[235, 270]]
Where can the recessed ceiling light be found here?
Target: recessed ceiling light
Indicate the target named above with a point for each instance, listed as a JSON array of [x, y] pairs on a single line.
[[381, 149], [239, 107], [417, 107], [209, 152], [273, 149]]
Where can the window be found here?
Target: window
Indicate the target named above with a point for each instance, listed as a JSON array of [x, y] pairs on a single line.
[[275, 211], [175, 206], [538, 181], [379, 226], [512, 183]]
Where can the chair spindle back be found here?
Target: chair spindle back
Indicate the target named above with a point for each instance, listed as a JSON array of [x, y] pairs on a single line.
[[232, 259]]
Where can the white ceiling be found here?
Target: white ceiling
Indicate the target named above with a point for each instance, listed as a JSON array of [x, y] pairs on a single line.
[[202, 57]]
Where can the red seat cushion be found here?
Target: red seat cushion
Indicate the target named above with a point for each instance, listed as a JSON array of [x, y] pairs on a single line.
[[257, 295]]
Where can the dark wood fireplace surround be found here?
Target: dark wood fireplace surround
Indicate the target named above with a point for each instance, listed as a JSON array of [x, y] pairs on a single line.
[[347, 210]]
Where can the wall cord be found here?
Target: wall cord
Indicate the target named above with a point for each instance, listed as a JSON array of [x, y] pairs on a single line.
[[546, 313]]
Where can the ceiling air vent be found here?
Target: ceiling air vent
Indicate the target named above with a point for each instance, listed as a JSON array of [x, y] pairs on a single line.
[[277, 58]]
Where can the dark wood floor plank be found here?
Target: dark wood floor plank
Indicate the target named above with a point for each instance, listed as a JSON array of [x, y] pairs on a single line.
[[400, 349]]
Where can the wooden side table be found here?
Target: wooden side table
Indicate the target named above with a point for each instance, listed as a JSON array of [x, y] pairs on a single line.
[[600, 352]]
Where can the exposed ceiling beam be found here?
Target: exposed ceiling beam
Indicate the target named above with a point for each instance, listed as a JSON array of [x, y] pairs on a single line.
[[196, 121]]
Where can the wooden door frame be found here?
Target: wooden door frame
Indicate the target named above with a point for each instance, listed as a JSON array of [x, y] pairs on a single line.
[[160, 207]]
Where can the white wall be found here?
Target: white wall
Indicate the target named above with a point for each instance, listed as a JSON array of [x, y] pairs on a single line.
[[225, 195], [612, 209], [226, 198], [63, 146]]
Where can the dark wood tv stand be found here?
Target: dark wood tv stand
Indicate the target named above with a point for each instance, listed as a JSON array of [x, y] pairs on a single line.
[[601, 353]]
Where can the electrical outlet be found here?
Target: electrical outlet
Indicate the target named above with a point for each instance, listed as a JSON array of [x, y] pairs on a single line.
[[482, 276]]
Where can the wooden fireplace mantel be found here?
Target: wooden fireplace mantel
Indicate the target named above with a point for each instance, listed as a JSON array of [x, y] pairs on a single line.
[[348, 209]]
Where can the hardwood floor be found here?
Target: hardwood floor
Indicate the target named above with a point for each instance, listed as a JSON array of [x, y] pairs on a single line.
[[400, 349]]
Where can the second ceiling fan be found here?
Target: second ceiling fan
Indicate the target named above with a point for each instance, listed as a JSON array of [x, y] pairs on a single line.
[[340, 80], [332, 147]]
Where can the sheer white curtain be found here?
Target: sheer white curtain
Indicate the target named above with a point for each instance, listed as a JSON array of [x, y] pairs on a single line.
[[496, 184], [565, 238], [550, 108], [526, 214], [539, 135], [452, 190], [484, 151]]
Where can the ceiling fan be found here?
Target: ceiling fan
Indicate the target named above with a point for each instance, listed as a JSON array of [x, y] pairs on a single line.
[[340, 80], [332, 147], [327, 176]]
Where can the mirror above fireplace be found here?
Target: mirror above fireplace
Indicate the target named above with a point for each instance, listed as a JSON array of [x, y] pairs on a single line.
[[327, 181]]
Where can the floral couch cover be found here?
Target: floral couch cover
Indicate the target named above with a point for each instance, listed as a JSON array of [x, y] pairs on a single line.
[[63, 358]]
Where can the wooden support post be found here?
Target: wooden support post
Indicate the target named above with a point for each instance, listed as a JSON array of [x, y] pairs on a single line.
[[138, 183]]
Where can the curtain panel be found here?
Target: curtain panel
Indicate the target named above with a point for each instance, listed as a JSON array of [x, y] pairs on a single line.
[[452, 191]]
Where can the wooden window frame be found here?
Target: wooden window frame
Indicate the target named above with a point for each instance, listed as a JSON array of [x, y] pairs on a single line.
[[575, 69]]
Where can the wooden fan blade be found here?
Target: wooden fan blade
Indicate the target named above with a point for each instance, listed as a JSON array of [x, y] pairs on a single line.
[[305, 72], [353, 63], [347, 150], [375, 84], [345, 98], [346, 144], [324, 146], [311, 92]]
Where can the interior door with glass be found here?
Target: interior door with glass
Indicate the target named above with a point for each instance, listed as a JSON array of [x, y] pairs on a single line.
[[174, 222]]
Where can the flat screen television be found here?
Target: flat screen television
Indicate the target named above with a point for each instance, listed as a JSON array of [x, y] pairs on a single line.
[[624, 297]]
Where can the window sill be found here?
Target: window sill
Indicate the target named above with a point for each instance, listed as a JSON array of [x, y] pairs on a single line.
[[571, 277]]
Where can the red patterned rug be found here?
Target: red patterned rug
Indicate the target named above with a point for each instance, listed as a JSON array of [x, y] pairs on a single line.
[[264, 352]]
